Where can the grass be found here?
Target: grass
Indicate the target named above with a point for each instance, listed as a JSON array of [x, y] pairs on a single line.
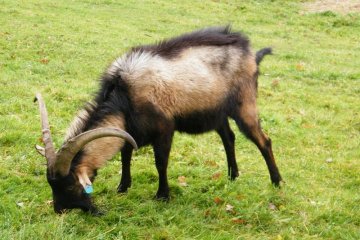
[[308, 100]]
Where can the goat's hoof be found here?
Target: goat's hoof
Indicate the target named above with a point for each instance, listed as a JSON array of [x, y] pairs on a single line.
[[278, 183], [122, 189], [282, 183], [163, 197], [233, 176], [276, 180]]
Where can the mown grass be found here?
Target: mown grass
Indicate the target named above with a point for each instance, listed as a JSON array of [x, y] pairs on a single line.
[[309, 98]]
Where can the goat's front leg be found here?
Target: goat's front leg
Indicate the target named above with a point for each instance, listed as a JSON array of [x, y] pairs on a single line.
[[162, 147], [125, 182], [228, 139]]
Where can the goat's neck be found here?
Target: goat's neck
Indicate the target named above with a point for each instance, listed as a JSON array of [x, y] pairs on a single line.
[[97, 152]]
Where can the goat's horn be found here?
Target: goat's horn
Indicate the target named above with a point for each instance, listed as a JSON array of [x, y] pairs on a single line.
[[49, 147], [68, 151]]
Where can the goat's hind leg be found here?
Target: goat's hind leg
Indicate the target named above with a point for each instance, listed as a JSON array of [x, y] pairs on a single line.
[[228, 139], [248, 122]]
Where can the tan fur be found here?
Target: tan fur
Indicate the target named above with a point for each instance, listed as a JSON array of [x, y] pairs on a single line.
[[249, 67], [97, 152], [249, 116], [198, 79]]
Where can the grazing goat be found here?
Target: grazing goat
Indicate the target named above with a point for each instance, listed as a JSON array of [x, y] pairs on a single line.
[[191, 83]]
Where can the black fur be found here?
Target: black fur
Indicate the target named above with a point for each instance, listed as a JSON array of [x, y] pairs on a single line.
[[149, 126], [261, 54], [67, 195], [214, 36]]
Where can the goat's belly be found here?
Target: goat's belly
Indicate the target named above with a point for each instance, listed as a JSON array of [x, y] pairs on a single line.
[[200, 122]]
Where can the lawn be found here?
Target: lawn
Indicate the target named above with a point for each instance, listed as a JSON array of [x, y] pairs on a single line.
[[309, 102]]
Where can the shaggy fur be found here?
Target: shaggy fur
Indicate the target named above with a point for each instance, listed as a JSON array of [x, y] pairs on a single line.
[[191, 84], [213, 36]]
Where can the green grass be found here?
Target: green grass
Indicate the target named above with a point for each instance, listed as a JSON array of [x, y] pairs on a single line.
[[309, 101]]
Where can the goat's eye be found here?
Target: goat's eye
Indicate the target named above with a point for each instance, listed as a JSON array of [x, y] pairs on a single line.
[[71, 188], [74, 188]]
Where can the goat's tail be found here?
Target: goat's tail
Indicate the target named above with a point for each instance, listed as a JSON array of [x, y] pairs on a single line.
[[261, 54]]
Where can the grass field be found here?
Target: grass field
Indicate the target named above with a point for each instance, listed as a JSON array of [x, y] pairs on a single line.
[[309, 101]]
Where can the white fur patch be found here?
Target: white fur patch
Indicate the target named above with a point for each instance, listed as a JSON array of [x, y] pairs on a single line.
[[198, 79], [130, 64], [79, 122]]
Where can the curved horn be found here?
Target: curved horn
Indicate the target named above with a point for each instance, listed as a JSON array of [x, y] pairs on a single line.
[[49, 147], [68, 151]]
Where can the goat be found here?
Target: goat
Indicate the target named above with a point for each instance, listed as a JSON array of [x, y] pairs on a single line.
[[191, 83]]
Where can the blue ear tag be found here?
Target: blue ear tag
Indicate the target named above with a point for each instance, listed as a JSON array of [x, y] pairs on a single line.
[[89, 189]]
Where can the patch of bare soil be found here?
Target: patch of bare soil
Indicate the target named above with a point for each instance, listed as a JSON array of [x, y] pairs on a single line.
[[338, 6]]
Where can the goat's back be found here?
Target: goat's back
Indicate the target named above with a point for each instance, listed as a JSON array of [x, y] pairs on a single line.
[[196, 78]]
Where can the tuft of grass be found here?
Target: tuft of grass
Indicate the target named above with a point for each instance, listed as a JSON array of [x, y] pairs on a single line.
[[308, 99]]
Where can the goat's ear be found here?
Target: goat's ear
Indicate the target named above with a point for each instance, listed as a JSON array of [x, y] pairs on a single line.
[[40, 150]]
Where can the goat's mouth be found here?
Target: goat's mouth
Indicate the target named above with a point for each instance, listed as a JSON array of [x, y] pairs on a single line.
[[86, 209], [61, 210]]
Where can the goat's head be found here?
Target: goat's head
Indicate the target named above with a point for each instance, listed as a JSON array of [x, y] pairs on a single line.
[[70, 190]]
